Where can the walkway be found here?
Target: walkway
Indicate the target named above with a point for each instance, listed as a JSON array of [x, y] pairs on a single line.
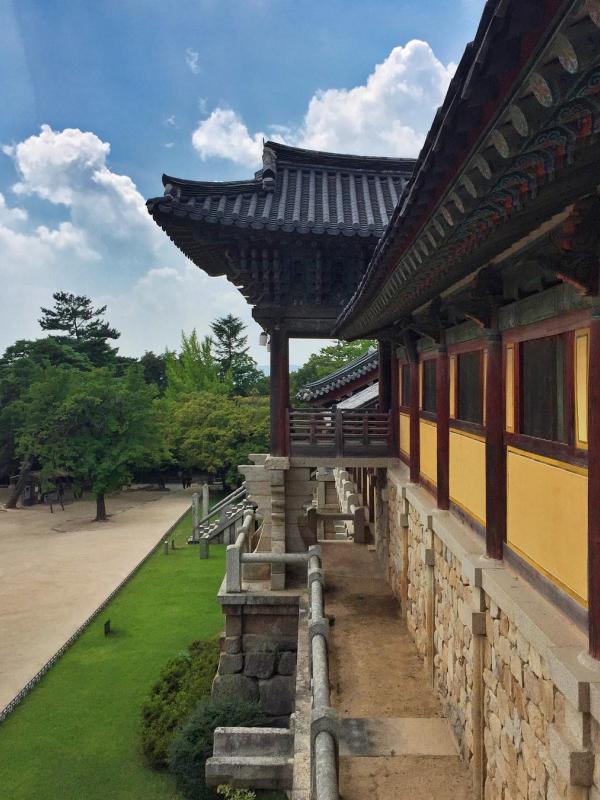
[[56, 569], [395, 742]]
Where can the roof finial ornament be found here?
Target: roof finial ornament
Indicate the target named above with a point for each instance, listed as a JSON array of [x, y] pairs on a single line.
[[269, 169]]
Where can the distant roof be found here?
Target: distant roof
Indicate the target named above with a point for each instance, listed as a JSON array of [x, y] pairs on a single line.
[[363, 365], [361, 399], [306, 191]]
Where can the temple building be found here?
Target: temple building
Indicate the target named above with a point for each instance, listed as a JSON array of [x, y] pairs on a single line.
[[471, 476]]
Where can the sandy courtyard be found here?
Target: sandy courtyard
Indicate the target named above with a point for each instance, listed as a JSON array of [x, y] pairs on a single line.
[[56, 569]]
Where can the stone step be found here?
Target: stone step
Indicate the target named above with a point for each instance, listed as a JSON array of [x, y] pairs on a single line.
[[253, 742], [250, 772]]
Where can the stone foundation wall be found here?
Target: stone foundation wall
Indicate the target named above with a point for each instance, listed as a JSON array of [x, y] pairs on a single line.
[[510, 670], [258, 653]]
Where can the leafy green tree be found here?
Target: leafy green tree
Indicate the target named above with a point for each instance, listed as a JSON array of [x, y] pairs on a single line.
[[93, 426], [217, 436], [327, 360], [75, 316], [155, 369], [194, 369], [21, 364]]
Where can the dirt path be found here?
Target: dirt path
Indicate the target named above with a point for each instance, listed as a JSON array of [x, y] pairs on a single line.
[[56, 569], [376, 673]]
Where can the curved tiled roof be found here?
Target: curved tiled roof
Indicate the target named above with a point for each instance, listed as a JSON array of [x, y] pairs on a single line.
[[363, 365], [305, 191], [519, 106]]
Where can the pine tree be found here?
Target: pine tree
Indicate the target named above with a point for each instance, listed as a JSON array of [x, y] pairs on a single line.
[[230, 342]]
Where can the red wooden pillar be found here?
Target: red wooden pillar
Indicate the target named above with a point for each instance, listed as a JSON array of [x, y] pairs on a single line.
[[280, 391], [443, 430], [385, 375], [495, 451], [594, 486], [415, 440], [395, 406]]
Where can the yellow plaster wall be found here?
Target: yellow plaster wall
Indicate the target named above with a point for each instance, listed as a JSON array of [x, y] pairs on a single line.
[[405, 433], [581, 386], [467, 473], [547, 518], [428, 435]]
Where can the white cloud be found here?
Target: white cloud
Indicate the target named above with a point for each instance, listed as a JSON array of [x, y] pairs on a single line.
[[389, 114], [170, 120], [192, 59], [224, 135], [109, 248]]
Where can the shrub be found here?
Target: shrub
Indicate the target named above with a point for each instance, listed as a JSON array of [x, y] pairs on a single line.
[[229, 793], [183, 682], [193, 744]]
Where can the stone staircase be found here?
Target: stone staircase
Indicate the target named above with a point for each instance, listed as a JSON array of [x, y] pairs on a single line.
[[257, 758], [222, 520]]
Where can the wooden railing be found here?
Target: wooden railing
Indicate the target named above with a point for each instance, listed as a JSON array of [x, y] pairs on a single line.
[[329, 432]]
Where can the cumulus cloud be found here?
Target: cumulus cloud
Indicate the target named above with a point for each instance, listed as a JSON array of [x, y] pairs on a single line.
[[389, 114], [224, 135], [192, 59]]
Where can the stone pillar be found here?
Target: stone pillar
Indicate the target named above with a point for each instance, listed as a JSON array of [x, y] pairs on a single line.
[[280, 391], [277, 481], [415, 440], [495, 451], [594, 484], [404, 547], [381, 512], [443, 430], [430, 604], [205, 500], [195, 515]]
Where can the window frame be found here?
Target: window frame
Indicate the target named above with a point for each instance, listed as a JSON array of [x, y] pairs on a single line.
[[454, 353], [564, 326], [424, 359], [403, 366]]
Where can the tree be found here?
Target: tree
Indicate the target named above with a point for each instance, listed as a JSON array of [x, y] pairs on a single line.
[[230, 342], [21, 364], [195, 369], [92, 426], [155, 369], [75, 316], [217, 436], [326, 360], [235, 364]]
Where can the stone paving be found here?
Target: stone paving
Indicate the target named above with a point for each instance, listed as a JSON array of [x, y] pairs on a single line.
[[380, 688], [56, 569]]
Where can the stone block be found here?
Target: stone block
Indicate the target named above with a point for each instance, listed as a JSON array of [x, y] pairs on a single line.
[[235, 688], [287, 663], [231, 644], [259, 665], [575, 765], [230, 663], [277, 695]]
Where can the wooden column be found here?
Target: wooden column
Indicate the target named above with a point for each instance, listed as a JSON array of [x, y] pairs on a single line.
[[594, 485], [385, 375], [280, 391], [415, 439], [443, 430], [395, 406], [495, 452]]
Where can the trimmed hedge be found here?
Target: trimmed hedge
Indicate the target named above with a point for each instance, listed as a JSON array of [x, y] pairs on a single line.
[[184, 681], [193, 744]]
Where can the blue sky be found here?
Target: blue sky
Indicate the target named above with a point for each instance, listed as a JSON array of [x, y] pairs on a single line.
[[129, 89]]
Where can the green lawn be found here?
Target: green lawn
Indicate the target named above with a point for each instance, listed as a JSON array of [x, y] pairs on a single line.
[[76, 737]]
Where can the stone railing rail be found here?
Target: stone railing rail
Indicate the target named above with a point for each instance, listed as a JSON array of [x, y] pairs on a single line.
[[324, 722], [239, 553]]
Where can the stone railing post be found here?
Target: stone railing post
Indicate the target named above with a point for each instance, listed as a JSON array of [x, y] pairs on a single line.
[[195, 515]]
